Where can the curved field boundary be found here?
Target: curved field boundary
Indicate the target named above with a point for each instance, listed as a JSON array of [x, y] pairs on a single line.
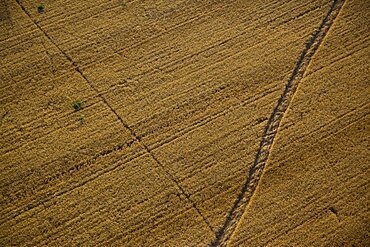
[[226, 231]]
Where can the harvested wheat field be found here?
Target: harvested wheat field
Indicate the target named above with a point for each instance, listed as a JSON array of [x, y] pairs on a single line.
[[185, 123]]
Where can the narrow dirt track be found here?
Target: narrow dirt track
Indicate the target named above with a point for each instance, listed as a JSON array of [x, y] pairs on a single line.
[[322, 147], [271, 129]]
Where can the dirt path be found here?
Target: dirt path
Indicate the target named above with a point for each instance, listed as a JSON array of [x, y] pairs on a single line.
[[271, 129]]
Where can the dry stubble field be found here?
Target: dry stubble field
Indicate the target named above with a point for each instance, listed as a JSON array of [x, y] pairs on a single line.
[[203, 123]]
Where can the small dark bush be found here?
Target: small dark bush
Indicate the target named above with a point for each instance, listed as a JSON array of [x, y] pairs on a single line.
[[41, 8], [77, 105]]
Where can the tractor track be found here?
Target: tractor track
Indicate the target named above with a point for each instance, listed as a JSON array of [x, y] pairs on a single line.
[[236, 212]]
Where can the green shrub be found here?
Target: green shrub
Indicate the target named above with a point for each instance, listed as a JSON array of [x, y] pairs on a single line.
[[77, 105], [40, 8]]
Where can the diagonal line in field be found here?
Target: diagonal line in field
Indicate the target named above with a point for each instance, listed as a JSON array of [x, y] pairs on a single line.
[[132, 132], [224, 233]]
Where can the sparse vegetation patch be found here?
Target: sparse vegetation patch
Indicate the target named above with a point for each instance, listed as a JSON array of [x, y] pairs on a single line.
[[78, 105], [41, 8]]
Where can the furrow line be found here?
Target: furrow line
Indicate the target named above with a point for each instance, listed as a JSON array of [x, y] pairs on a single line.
[[94, 33], [331, 126], [203, 121], [219, 61], [189, 173], [170, 29], [311, 201], [322, 137], [208, 119], [174, 180], [222, 138], [341, 57], [166, 66], [162, 167], [43, 201], [85, 219], [69, 171], [30, 128], [236, 212], [169, 176], [132, 46]]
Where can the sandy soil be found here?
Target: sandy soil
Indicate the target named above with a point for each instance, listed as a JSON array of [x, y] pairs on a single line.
[[203, 123]]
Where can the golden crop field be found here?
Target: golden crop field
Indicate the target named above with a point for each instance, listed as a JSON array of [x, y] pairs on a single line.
[[185, 123]]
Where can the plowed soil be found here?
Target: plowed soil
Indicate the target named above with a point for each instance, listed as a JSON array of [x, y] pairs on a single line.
[[201, 123]]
